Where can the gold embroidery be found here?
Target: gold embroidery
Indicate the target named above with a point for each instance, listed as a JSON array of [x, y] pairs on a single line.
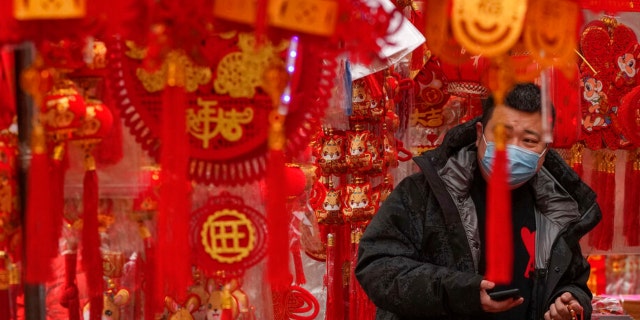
[[239, 73]]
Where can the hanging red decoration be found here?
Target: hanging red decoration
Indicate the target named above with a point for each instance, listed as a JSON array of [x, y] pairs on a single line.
[[605, 43], [499, 247], [227, 235], [565, 96], [223, 152], [631, 209], [295, 303]]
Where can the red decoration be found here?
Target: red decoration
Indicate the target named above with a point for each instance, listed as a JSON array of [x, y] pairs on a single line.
[[629, 115], [227, 235], [330, 151], [606, 43], [565, 94], [631, 208], [220, 160], [295, 303], [499, 243], [175, 205], [38, 270], [603, 183]]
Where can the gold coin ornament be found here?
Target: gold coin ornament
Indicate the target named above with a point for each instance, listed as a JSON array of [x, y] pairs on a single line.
[[488, 27]]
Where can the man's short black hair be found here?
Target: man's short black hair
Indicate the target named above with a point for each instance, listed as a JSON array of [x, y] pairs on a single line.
[[524, 97]]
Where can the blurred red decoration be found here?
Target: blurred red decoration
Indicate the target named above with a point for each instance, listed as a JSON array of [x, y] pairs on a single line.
[[465, 79], [565, 94], [62, 110], [96, 123]]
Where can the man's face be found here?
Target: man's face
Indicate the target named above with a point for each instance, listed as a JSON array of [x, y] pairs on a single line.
[[522, 129]]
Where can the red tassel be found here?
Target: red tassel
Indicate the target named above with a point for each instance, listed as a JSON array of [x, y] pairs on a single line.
[[631, 201], [354, 286], [38, 218], [297, 256], [332, 303], [598, 188], [91, 255], [58, 170], [261, 22], [606, 242], [576, 159], [278, 219], [149, 284], [499, 230], [603, 183], [69, 298], [173, 275], [5, 305]]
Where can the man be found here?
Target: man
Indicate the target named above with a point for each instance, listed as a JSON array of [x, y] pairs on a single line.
[[422, 256]]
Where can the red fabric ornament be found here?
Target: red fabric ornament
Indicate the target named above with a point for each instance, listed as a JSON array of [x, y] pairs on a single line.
[[38, 222], [611, 6], [603, 183], [173, 275], [330, 151], [628, 115], [295, 303], [499, 240], [565, 95], [91, 255], [605, 43], [69, 298], [631, 225], [278, 272], [7, 89]]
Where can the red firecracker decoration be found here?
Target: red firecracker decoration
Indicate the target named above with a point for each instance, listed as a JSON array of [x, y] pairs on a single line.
[[499, 239]]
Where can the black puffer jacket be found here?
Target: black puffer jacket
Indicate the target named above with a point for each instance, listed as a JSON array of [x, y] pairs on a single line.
[[418, 258]]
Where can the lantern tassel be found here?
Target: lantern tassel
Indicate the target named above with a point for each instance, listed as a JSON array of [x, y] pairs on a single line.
[[173, 275], [38, 225], [499, 233], [91, 255], [69, 298]]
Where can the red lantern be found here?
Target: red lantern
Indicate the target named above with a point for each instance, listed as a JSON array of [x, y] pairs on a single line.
[[62, 110], [465, 78], [96, 123]]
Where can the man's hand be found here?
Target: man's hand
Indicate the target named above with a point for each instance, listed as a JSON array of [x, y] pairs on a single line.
[[489, 305], [566, 307]]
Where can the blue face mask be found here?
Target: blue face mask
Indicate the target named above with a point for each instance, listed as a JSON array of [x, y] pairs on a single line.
[[522, 162]]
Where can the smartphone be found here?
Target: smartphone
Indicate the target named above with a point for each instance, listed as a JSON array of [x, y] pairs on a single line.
[[505, 294]]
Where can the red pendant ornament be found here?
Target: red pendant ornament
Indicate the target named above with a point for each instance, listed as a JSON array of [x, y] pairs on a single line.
[[330, 151], [606, 43], [499, 248], [631, 226], [227, 112], [603, 183], [295, 303], [227, 235]]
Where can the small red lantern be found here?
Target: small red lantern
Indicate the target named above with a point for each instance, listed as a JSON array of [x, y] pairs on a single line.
[[62, 110], [95, 124]]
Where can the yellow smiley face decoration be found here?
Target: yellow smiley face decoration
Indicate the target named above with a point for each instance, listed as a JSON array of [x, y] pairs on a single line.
[[488, 27], [550, 32]]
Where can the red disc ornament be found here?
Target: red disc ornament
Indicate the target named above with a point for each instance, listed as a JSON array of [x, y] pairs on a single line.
[[227, 235]]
